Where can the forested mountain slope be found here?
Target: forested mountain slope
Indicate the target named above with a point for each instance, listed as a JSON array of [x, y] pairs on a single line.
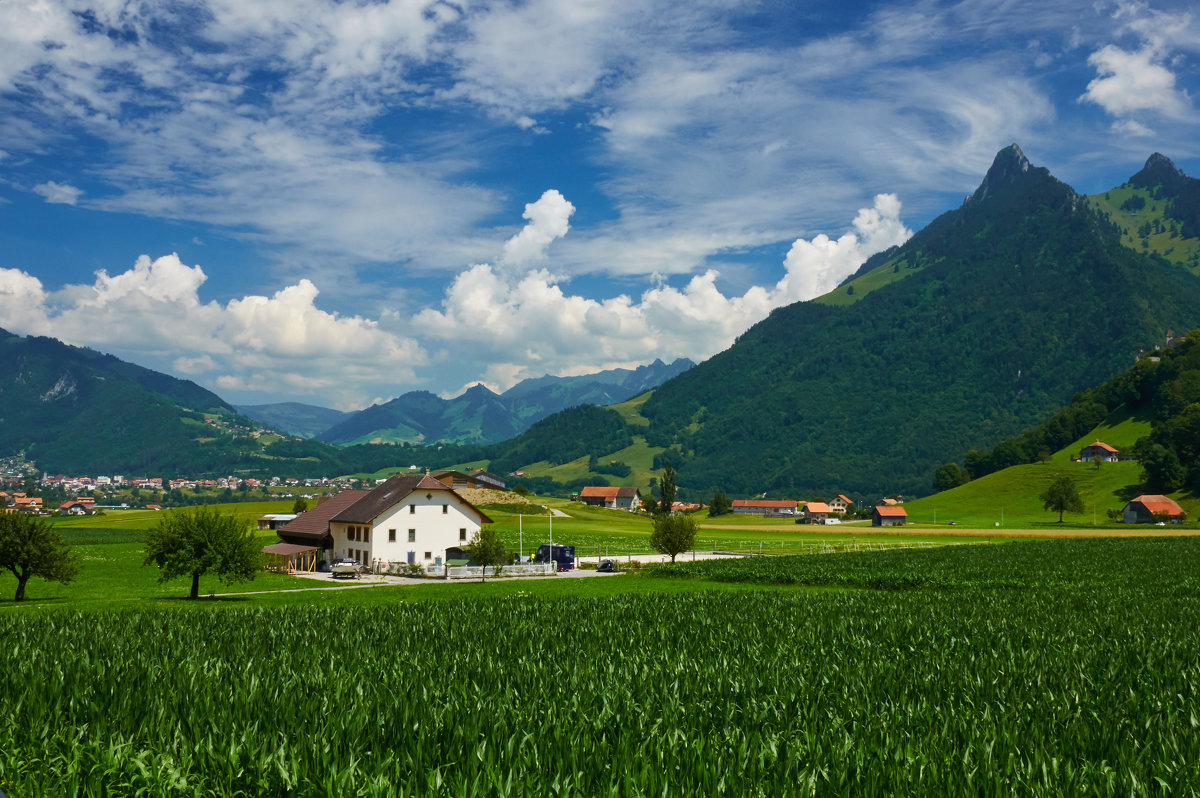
[[1012, 303]]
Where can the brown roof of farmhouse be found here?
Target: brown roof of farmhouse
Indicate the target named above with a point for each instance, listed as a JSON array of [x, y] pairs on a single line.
[[315, 522], [390, 493]]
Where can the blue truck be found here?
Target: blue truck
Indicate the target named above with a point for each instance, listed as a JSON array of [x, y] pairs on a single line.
[[563, 556]]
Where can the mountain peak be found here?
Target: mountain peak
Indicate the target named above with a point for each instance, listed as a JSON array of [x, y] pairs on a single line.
[[1159, 170], [1009, 164]]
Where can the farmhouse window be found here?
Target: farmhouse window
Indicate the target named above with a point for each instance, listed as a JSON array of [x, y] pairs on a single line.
[[445, 509], [412, 536], [391, 536], [412, 509], [429, 555], [462, 534]]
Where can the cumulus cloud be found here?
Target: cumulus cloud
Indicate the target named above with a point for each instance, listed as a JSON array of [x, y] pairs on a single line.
[[59, 193], [153, 313], [1130, 81], [534, 326], [549, 219]]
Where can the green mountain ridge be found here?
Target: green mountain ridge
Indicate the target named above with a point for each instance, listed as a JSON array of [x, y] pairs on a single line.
[[1019, 299]]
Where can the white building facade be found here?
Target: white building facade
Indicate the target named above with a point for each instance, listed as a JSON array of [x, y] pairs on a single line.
[[413, 520]]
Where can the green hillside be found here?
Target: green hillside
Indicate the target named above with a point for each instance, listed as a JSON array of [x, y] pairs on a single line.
[[1153, 414], [1021, 298]]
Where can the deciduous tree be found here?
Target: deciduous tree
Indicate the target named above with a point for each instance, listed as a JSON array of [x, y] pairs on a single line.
[[30, 547], [486, 549], [200, 540], [673, 534], [1062, 496]]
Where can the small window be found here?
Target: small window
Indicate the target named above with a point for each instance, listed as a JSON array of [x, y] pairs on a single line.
[[445, 509], [429, 555], [391, 536], [462, 534], [412, 536], [412, 509]]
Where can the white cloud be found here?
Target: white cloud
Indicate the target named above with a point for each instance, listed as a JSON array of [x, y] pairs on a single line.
[[533, 326], [1131, 127], [549, 219], [59, 193], [1130, 81], [153, 314]]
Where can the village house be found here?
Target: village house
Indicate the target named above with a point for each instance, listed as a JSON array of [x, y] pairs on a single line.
[[769, 508], [816, 512], [26, 504], [629, 499], [1150, 507], [1099, 449], [889, 515], [413, 519], [840, 504]]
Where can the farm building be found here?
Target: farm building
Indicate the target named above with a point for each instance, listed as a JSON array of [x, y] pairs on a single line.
[[275, 520], [613, 498], [413, 519], [766, 507], [1148, 508], [1101, 450], [889, 515], [839, 504], [816, 512]]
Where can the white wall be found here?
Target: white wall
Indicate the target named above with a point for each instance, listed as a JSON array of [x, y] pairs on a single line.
[[436, 530]]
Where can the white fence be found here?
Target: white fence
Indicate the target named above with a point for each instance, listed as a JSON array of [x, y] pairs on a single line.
[[476, 572]]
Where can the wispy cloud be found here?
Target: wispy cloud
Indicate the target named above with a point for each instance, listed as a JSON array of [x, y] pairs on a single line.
[[58, 193]]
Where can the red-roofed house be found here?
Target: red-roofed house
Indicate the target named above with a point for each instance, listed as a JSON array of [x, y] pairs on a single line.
[[889, 515], [613, 498], [1148, 508], [765, 507], [1099, 449], [816, 512], [840, 504]]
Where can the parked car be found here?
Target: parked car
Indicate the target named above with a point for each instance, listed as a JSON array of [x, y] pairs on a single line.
[[344, 569], [607, 567]]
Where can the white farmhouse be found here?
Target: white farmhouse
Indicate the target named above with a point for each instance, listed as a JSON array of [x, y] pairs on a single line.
[[411, 519]]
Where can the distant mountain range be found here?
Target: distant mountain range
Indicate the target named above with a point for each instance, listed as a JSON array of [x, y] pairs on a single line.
[[294, 418], [981, 326], [476, 416]]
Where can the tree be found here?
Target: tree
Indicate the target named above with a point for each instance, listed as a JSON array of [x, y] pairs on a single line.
[[673, 534], [486, 549], [719, 505], [299, 506], [949, 476], [1062, 496], [666, 488], [200, 540], [30, 547]]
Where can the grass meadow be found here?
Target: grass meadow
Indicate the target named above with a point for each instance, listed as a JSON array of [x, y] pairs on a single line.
[[1037, 667]]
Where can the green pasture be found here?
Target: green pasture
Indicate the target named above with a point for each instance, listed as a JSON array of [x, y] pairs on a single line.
[[1032, 668], [1009, 498], [1175, 249]]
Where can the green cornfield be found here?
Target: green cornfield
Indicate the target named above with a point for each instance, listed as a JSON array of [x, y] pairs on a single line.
[[1026, 668]]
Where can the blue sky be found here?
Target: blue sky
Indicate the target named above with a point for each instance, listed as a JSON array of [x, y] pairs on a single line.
[[340, 202]]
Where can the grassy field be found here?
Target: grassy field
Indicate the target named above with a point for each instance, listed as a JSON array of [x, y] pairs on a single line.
[[1047, 668]]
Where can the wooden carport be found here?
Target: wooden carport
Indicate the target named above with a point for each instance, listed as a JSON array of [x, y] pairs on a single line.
[[290, 558]]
